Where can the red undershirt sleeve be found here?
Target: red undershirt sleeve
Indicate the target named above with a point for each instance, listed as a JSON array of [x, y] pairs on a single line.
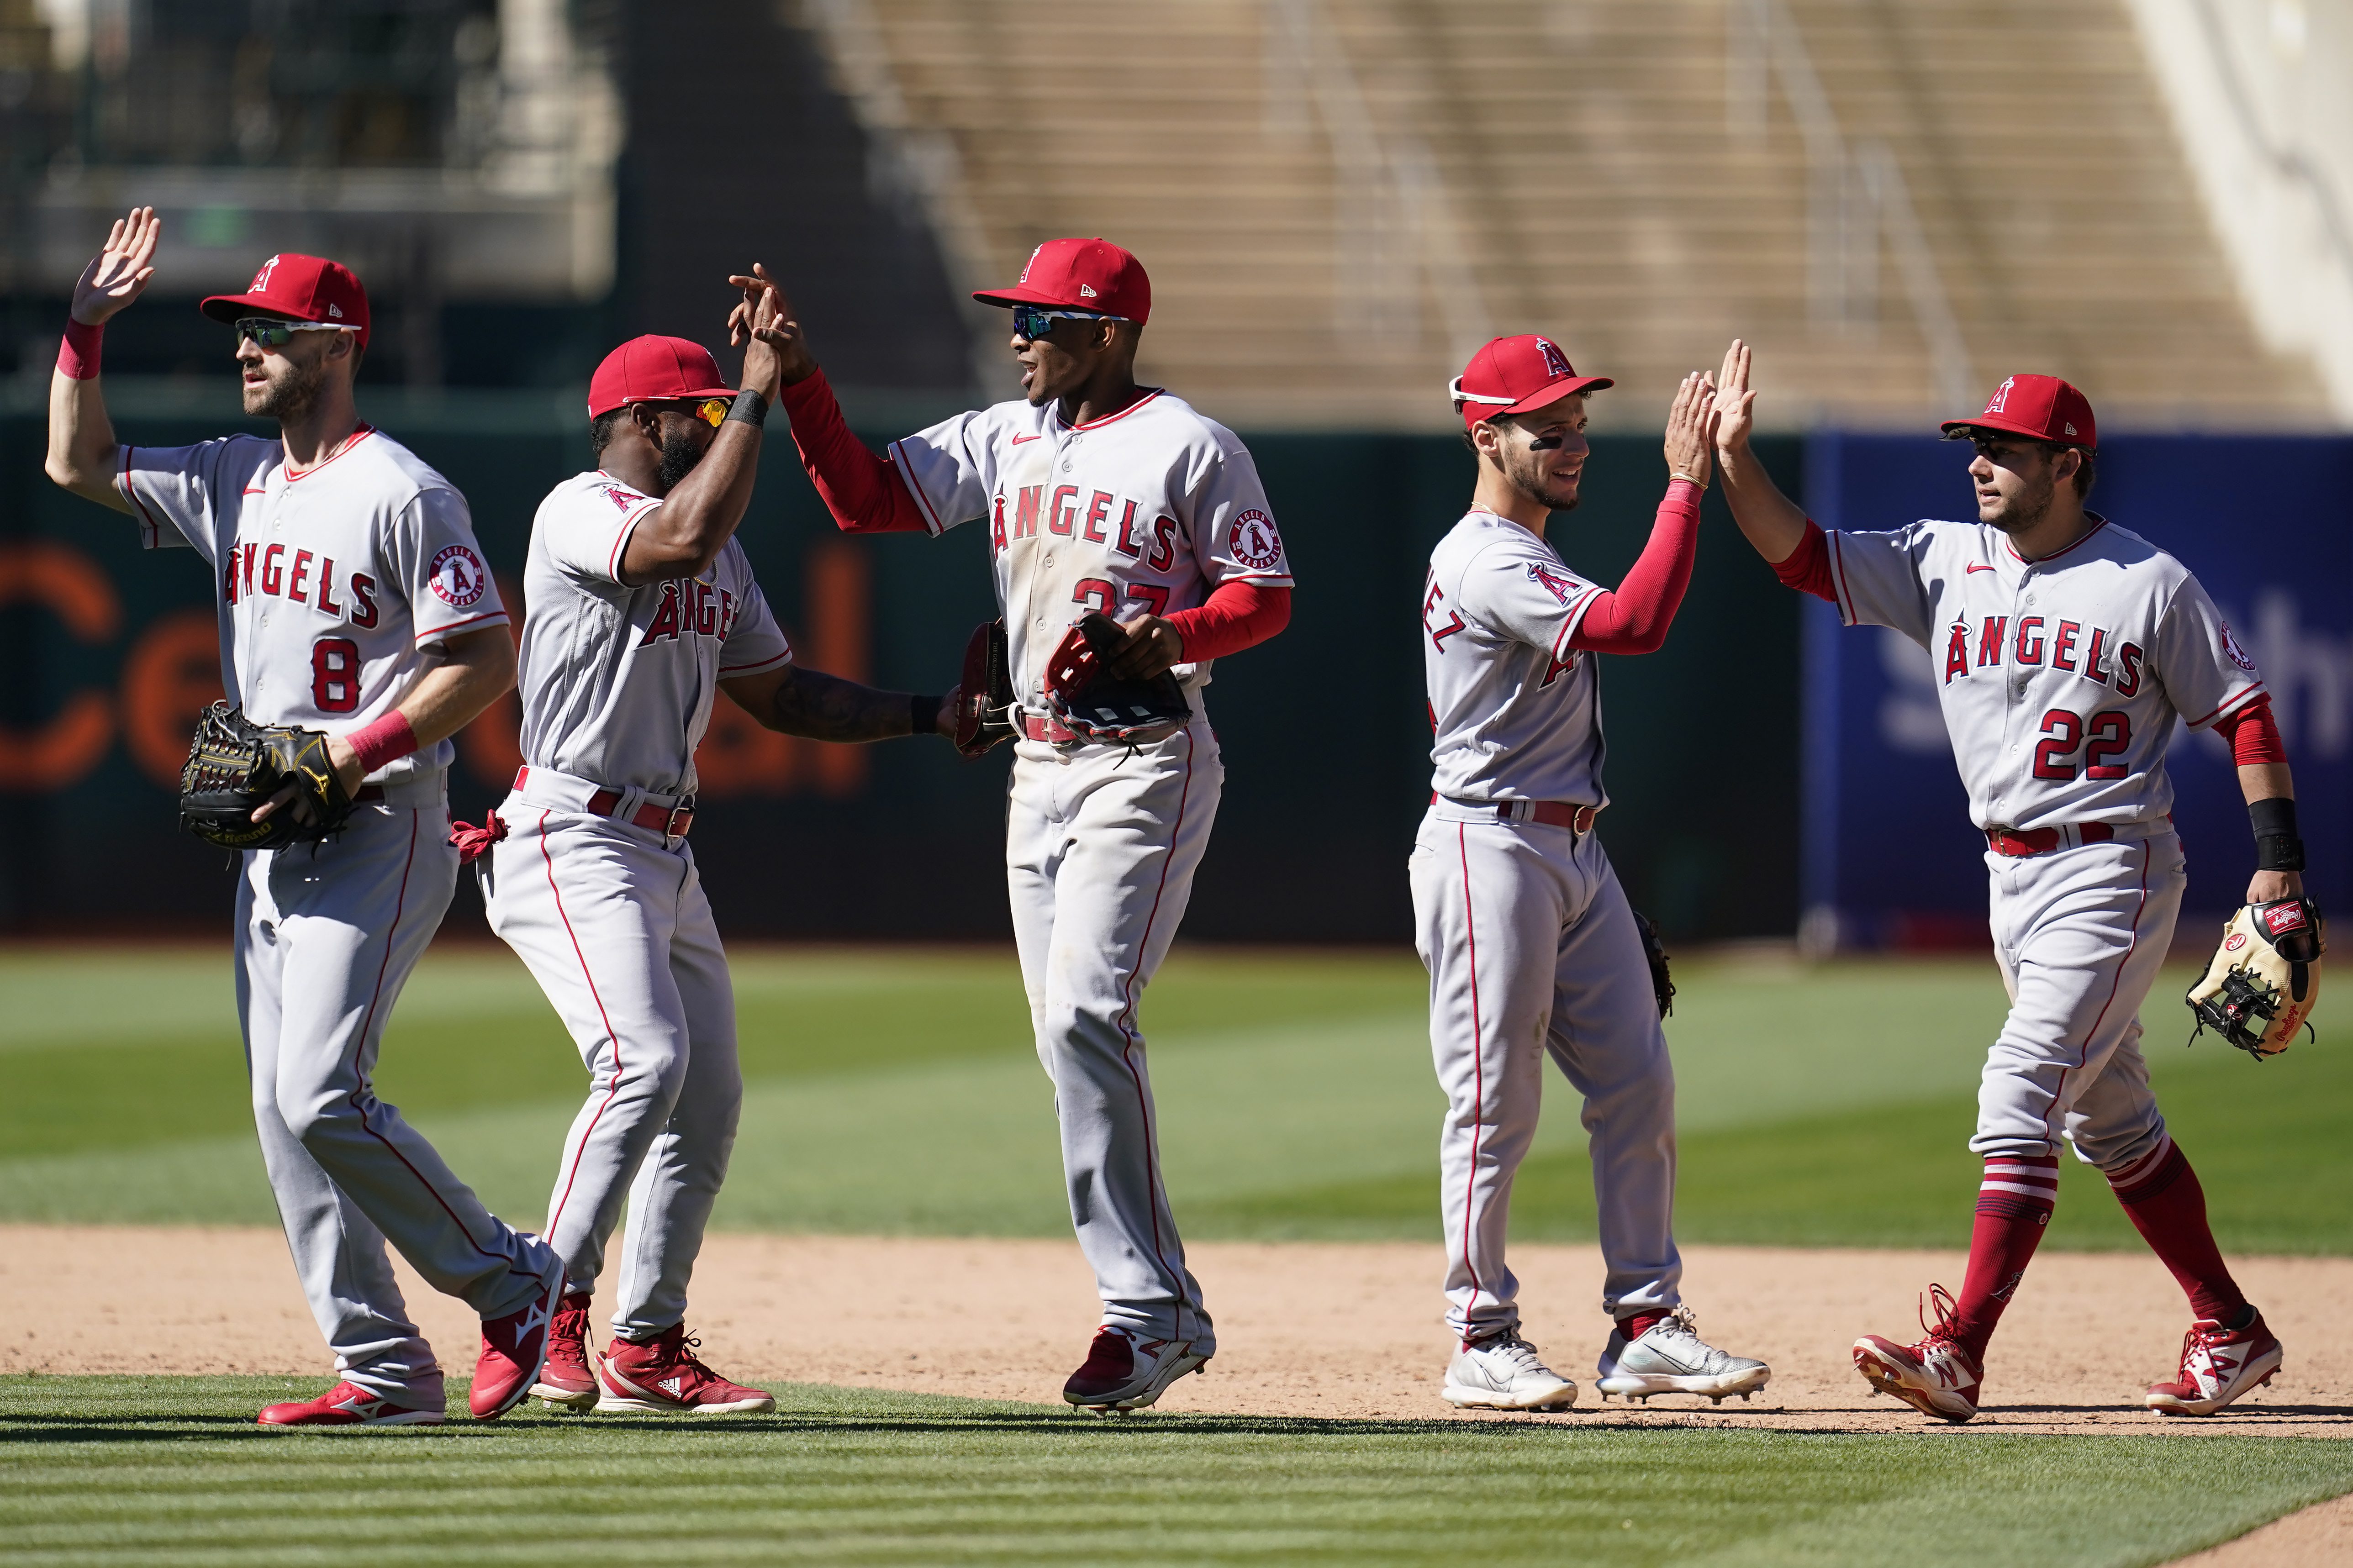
[[1237, 615], [1634, 620], [1808, 568], [866, 493], [2253, 735]]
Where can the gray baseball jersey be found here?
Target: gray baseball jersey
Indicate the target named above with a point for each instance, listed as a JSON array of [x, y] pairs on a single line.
[[1515, 710], [617, 681], [2060, 679], [1147, 509], [332, 580]]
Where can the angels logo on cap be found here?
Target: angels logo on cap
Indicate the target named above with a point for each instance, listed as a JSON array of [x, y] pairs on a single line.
[[261, 284], [1554, 361], [2001, 397]]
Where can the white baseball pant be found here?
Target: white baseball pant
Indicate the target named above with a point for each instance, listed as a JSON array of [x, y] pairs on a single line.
[[325, 942], [2080, 935], [1100, 845], [612, 921], [1532, 948]]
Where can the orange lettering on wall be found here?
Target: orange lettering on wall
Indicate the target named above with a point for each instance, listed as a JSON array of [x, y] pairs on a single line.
[[739, 756], [43, 572], [171, 674], [836, 595]]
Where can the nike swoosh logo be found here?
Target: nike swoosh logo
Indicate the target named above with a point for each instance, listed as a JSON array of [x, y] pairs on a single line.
[[1975, 567], [1018, 440]]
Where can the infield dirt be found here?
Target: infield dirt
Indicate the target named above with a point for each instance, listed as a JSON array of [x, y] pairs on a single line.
[[1304, 1328]]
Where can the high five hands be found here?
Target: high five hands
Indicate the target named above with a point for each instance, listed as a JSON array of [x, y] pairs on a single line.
[[1735, 404], [765, 316], [1692, 429], [119, 274]]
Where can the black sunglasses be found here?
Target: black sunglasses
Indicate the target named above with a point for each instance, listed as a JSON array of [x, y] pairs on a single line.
[[275, 332]]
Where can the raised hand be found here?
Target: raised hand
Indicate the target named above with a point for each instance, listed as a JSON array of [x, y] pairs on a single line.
[[119, 274], [746, 324], [1735, 404], [1691, 428]]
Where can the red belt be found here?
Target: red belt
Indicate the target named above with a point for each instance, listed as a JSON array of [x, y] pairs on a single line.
[[1551, 813], [2019, 844], [1040, 727], [671, 821]]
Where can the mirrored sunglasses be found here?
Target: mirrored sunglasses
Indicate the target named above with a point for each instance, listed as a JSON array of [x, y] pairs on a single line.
[[271, 332], [712, 411], [1036, 321]]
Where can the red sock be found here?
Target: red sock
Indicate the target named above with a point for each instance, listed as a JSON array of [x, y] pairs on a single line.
[[2162, 1198], [1639, 1324], [2014, 1204]]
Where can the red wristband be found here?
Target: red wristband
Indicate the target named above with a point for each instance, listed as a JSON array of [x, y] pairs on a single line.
[[387, 739], [77, 355]]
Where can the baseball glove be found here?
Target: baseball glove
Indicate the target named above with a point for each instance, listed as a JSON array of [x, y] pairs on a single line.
[[1093, 703], [2262, 983], [235, 766], [1662, 981], [985, 699]]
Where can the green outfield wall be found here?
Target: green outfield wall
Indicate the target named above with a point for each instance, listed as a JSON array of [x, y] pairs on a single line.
[[109, 651]]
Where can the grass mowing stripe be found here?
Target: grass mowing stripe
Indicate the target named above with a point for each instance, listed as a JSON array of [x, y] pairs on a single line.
[[170, 1470]]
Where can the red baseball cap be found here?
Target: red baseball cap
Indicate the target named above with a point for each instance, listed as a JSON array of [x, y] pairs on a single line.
[[655, 370], [301, 289], [2041, 406], [1512, 375], [1079, 275]]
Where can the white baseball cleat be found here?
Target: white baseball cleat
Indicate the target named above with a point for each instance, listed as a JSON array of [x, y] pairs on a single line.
[[1122, 1373], [1501, 1373], [1934, 1376], [1671, 1358], [2218, 1365]]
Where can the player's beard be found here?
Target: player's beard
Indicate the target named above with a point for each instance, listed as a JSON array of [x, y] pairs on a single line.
[[679, 453], [1525, 472], [2020, 513], [289, 396]]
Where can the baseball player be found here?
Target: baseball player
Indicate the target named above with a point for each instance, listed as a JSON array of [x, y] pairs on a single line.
[[354, 600], [1531, 945], [1099, 495], [642, 608], [2066, 650]]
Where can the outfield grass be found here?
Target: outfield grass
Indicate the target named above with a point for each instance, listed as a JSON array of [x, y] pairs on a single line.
[[171, 1471], [896, 1092]]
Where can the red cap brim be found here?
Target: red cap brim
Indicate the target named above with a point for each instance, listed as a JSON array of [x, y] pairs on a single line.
[[666, 397], [1955, 429], [1552, 392], [1019, 296]]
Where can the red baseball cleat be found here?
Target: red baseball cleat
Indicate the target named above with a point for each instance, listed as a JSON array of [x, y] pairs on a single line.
[[514, 1347], [347, 1404], [1122, 1373], [565, 1380], [1934, 1376], [662, 1376], [2218, 1365]]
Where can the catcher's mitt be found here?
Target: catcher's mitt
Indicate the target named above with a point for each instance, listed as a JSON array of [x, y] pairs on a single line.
[[1662, 981], [1096, 705], [2262, 983], [234, 765], [985, 699]]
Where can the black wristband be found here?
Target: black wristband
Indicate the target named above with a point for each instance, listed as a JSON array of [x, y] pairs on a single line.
[[924, 714], [749, 408], [2277, 848]]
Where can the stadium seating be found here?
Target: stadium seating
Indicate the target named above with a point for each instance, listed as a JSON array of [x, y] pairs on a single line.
[[1338, 200]]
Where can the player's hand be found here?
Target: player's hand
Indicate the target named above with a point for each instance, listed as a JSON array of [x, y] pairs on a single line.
[[119, 274], [1735, 404], [1691, 428], [945, 721], [2270, 885], [348, 771], [1153, 648], [746, 324]]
